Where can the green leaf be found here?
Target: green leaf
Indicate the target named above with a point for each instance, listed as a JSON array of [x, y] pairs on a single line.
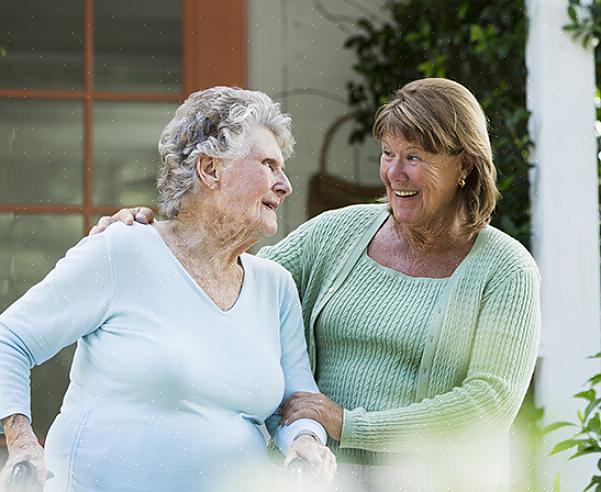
[[563, 445], [589, 395], [594, 425], [596, 379], [590, 408], [572, 13], [586, 450], [555, 426]]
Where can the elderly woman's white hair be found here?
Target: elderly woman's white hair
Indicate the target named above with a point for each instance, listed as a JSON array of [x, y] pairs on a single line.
[[214, 122]]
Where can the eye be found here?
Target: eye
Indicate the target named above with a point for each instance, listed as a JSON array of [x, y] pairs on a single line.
[[269, 163], [387, 153], [414, 159]]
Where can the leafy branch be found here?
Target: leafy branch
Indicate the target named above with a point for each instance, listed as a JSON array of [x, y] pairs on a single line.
[[587, 438], [585, 22]]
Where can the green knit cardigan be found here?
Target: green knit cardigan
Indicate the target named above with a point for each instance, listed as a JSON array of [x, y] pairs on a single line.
[[481, 344]]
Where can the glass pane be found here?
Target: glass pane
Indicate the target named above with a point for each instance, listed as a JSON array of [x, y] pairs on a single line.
[[41, 151], [125, 151], [138, 46], [30, 245], [43, 42]]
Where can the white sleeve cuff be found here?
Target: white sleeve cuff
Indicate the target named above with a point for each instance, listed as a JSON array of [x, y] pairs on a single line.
[[286, 434]]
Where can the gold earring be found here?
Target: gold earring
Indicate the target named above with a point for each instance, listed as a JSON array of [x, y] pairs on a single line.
[[461, 183]]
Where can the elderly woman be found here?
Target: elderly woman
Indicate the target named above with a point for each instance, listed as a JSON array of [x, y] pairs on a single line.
[[422, 320], [186, 344]]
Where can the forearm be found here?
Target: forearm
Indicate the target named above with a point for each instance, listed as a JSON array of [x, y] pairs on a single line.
[[452, 419], [18, 431]]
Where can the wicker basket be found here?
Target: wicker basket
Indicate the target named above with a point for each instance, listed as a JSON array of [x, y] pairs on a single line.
[[327, 191]]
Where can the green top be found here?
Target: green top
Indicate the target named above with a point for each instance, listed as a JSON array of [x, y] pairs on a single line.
[[464, 367]]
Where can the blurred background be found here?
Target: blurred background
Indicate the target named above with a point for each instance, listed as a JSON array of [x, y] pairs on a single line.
[[87, 86]]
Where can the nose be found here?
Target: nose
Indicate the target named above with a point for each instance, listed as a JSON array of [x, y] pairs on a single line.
[[282, 185], [396, 170]]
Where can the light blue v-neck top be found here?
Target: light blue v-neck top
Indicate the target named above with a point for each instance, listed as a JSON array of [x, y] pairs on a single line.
[[167, 391]]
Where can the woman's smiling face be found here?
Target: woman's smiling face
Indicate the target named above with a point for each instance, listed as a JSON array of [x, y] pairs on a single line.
[[421, 187]]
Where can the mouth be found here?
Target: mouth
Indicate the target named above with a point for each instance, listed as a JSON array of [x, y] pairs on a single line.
[[405, 193], [271, 205]]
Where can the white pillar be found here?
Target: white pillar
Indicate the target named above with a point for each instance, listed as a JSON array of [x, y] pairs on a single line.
[[564, 181]]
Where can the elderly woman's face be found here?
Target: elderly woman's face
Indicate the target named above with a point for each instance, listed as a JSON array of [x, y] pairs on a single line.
[[420, 186], [255, 186]]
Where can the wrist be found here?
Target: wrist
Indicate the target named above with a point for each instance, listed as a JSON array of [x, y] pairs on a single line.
[[18, 432], [307, 434]]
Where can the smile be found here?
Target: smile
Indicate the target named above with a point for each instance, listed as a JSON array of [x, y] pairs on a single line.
[[405, 194]]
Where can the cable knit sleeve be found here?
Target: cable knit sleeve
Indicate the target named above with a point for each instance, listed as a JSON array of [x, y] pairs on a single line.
[[486, 402]]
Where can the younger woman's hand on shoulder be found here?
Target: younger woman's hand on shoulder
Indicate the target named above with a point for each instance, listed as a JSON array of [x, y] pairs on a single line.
[[143, 215]]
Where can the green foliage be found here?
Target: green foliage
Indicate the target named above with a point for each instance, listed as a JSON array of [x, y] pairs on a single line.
[[587, 438], [585, 23], [476, 42]]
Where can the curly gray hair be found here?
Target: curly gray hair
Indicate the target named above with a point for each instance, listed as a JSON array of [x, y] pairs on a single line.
[[213, 122]]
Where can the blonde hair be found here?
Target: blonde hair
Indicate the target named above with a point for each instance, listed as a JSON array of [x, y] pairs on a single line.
[[442, 116], [213, 122]]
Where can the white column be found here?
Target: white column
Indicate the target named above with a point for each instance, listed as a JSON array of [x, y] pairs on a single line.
[[565, 225]]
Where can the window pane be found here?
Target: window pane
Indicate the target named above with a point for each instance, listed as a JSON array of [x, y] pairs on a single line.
[[43, 43], [30, 246], [138, 46], [125, 151], [41, 151]]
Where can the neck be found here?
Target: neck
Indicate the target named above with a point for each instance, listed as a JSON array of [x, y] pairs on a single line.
[[206, 237], [433, 236]]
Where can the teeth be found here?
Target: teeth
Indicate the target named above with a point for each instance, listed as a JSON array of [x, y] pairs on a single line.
[[405, 193]]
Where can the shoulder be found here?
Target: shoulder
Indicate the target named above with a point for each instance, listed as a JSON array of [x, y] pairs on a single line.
[[127, 237], [264, 266], [268, 273], [503, 248], [131, 245], [501, 257]]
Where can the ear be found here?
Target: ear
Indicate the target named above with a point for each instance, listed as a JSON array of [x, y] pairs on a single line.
[[466, 166], [207, 170]]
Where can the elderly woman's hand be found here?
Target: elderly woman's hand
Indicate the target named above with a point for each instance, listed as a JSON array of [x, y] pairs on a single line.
[[319, 459], [22, 446], [314, 406], [143, 215]]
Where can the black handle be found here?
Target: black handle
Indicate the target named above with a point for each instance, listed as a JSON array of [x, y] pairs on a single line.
[[24, 478]]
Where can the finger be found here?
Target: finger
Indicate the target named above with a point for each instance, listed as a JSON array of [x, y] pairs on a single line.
[[302, 413], [93, 230], [293, 404], [103, 223], [144, 215], [126, 216]]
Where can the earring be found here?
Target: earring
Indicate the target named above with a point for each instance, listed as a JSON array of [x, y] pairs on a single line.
[[461, 183]]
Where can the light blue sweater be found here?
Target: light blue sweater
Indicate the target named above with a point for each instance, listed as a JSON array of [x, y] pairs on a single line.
[[167, 391]]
